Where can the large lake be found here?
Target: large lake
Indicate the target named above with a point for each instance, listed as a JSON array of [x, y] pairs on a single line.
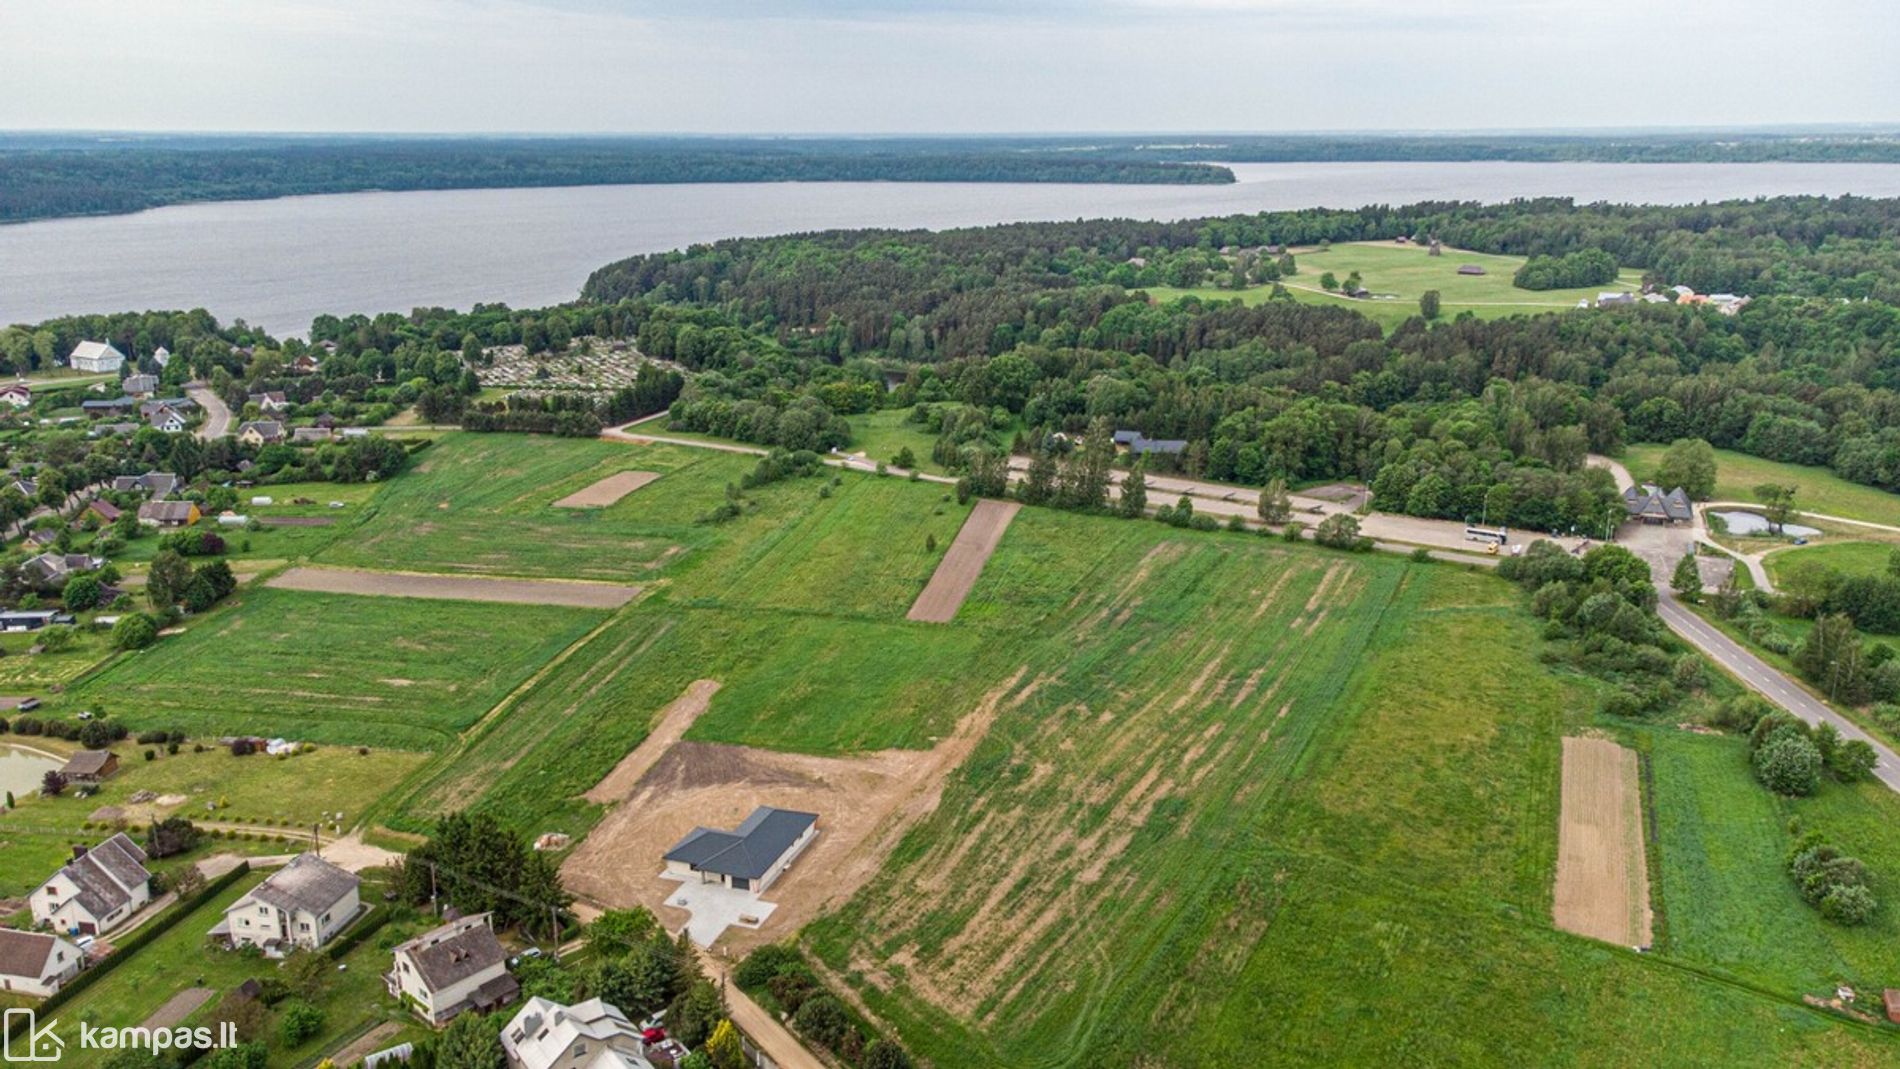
[[278, 263]]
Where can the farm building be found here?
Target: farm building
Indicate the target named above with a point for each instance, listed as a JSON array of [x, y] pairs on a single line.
[[1470, 269], [97, 890], [1610, 300], [35, 963], [301, 905], [748, 858], [1651, 505], [457, 967], [91, 766], [111, 406], [32, 619], [96, 357]]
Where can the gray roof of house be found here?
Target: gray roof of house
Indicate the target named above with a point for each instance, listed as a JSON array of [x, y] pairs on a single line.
[[269, 428], [165, 510], [87, 762], [1653, 501], [24, 953], [748, 851], [105, 872], [454, 952], [308, 883]]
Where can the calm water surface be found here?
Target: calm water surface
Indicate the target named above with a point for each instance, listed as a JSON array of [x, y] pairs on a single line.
[[22, 770], [278, 263]]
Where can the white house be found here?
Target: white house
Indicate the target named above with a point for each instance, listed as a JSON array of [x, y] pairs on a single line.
[[166, 418], [35, 963], [97, 890], [161, 356], [749, 857], [97, 357], [302, 905], [586, 1035], [459, 966], [17, 394]]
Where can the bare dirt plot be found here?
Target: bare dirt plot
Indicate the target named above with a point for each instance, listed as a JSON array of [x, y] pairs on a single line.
[[365, 1045], [957, 572], [1602, 877], [579, 595], [607, 491], [178, 1007], [864, 805]]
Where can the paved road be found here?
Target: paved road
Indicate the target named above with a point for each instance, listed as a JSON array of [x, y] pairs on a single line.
[[1765, 680], [217, 422]]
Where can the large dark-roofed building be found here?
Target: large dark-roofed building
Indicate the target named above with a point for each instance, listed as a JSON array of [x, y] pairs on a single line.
[[1651, 505], [749, 857]]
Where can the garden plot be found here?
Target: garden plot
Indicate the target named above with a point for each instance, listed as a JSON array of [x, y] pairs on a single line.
[[958, 571], [1602, 877], [573, 594], [607, 491], [592, 365]]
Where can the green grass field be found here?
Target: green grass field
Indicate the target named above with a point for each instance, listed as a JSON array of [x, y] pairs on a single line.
[[1737, 475], [1405, 272], [404, 673], [1849, 558]]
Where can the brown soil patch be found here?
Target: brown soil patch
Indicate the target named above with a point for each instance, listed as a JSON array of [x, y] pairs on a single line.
[[957, 572], [580, 595], [1602, 875], [178, 1007], [674, 720], [864, 805], [367, 1044], [296, 521], [607, 491]]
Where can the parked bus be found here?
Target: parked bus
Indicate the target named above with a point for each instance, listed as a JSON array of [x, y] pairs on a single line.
[[1491, 536]]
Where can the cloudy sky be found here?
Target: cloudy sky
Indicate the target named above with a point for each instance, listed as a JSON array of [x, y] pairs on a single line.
[[879, 66]]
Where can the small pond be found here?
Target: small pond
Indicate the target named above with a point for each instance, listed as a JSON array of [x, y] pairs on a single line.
[[22, 770], [1754, 523]]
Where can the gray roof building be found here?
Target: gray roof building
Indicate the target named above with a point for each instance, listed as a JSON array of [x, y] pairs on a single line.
[[754, 851], [1651, 504], [308, 883]]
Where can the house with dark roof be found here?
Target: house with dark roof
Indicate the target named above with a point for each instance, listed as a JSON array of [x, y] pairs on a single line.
[[32, 619], [748, 858], [261, 432], [449, 970], [1137, 443], [90, 766], [36, 963], [301, 905], [140, 385], [104, 510], [17, 394], [95, 892], [1650, 504], [156, 483], [49, 569]]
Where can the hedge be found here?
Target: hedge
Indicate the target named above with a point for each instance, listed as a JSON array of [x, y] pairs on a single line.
[[181, 909], [366, 926]]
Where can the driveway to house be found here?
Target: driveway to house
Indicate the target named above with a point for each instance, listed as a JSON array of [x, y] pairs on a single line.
[[765, 1031], [217, 422], [716, 907], [1765, 680]]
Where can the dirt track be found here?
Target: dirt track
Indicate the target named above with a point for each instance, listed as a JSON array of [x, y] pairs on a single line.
[[957, 572], [178, 1007], [674, 720], [865, 804], [457, 587], [607, 491], [1602, 875]]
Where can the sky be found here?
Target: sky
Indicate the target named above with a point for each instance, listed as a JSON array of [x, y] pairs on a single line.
[[940, 66]]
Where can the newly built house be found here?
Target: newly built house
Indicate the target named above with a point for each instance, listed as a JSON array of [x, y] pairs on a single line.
[[457, 967], [301, 905], [96, 891], [749, 857]]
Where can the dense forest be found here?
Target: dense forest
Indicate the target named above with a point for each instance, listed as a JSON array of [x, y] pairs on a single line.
[[62, 177], [46, 176]]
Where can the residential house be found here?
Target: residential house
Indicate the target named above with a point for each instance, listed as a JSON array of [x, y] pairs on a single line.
[[261, 432], [168, 514], [35, 963], [104, 510], [41, 537], [301, 905], [96, 357], [140, 385], [91, 766], [15, 620], [28, 488], [48, 569], [326, 421], [161, 356], [748, 858], [95, 892], [169, 420], [587, 1035], [1650, 504], [303, 364], [1610, 300], [456, 967], [156, 483], [17, 394], [271, 401]]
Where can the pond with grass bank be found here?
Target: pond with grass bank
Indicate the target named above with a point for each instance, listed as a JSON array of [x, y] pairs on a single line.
[[21, 769], [1754, 523]]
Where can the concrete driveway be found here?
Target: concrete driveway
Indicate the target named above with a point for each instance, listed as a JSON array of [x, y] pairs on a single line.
[[716, 907]]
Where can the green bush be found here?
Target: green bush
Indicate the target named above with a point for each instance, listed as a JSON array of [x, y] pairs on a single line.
[[301, 1022], [1789, 764]]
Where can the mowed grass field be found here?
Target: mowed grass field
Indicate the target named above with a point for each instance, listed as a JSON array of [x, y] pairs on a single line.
[[1405, 272], [333, 668], [1849, 558], [1737, 475]]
